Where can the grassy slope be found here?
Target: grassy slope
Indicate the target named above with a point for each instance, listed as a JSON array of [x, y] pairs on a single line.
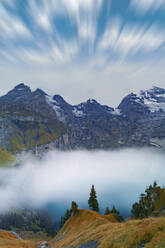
[[87, 226], [29, 134], [8, 240], [6, 158]]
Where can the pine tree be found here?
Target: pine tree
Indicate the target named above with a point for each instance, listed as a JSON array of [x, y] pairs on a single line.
[[74, 207], [146, 205], [65, 218], [107, 211], [92, 202], [114, 211]]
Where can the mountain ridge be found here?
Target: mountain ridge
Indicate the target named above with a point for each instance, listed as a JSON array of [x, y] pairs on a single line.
[[30, 119]]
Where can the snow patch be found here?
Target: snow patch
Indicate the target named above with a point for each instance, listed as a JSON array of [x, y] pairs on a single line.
[[77, 112], [55, 105], [91, 100], [116, 112], [154, 106], [150, 99], [160, 95]]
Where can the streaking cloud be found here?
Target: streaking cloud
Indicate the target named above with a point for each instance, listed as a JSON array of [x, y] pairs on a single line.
[[65, 32], [73, 44], [147, 5]]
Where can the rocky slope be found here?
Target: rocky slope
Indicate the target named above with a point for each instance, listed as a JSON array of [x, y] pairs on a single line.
[[30, 119]]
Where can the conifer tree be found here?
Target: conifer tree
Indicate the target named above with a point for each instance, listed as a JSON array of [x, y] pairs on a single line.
[[92, 202], [74, 207], [146, 205], [65, 218], [114, 211], [107, 211]]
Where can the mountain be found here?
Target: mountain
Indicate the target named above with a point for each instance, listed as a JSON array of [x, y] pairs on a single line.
[[33, 120], [88, 229], [26, 120]]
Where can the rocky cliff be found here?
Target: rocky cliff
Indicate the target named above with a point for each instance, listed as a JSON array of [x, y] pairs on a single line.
[[34, 120]]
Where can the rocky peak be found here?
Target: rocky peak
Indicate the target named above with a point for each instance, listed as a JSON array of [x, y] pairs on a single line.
[[39, 92], [59, 100], [22, 86], [156, 91], [149, 101], [132, 106], [20, 90]]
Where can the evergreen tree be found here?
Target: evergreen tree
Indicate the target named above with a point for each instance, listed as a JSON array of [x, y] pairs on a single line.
[[146, 204], [107, 211], [92, 202], [65, 218], [74, 207], [114, 211]]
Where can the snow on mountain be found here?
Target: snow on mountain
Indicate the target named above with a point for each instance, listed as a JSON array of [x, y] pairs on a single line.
[[56, 106], [153, 98], [139, 120], [77, 112], [116, 112]]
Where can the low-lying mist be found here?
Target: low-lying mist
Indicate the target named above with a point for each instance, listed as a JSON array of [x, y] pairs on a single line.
[[61, 177]]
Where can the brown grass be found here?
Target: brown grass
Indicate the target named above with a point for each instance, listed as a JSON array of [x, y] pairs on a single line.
[[8, 240], [87, 225]]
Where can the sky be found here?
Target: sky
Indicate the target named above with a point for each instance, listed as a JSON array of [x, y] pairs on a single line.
[[101, 49]]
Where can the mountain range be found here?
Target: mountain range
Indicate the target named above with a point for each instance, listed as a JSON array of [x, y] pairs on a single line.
[[34, 120]]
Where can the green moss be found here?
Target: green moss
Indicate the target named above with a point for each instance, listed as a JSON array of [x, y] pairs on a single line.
[[6, 158], [2, 114], [15, 144], [31, 133]]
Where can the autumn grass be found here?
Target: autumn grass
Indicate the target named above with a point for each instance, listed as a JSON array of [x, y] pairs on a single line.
[[86, 226], [8, 240]]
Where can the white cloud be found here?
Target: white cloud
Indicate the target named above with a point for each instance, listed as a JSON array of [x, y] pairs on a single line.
[[131, 39], [61, 177], [143, 6], [82, 12], [12, 28], [44, 21]]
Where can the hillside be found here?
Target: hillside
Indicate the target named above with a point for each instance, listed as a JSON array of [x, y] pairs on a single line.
[[9, 240], [88, 229]]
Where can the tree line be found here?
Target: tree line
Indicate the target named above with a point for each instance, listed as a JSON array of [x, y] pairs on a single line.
[[145, 207], [28, 220], [93, 205]]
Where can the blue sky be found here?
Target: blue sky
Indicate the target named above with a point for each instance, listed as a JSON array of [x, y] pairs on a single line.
[[83, 49]]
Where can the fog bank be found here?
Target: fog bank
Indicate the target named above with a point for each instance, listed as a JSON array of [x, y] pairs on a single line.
[[60, 177]]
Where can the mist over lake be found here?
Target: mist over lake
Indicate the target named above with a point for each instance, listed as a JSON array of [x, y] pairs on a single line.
[[60, 177]]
